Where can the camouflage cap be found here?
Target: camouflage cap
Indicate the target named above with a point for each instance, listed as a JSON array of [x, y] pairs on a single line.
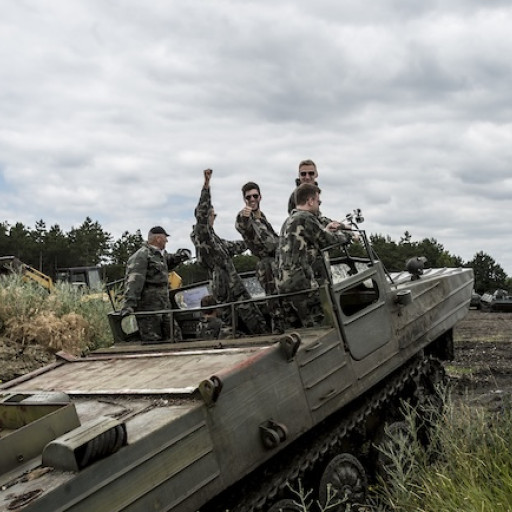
[[158, 230]]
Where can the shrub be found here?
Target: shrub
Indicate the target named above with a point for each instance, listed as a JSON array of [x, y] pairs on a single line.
[[61, 320]]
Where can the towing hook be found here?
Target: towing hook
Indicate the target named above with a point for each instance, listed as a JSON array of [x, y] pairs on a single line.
[[210, 390], [272, 434], [290, 344]]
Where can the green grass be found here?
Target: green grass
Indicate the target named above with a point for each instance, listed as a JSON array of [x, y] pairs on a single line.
[[467, 467], [61, 320], [459, 370]]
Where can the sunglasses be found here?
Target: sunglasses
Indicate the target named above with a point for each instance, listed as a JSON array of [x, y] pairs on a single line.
[[307, 173], [251, 196]]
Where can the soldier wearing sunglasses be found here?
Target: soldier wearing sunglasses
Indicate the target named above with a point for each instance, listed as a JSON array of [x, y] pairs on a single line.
[[215, 254], [262, 240], [302, 238], [307, 174]]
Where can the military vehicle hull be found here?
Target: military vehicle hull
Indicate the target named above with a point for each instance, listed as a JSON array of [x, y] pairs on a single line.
[[212, 425], [499, 301]]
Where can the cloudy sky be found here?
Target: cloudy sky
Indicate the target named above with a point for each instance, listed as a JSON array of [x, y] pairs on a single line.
[[112, 109]]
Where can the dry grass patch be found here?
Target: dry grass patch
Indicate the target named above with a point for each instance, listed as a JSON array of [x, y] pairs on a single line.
[[69, 332]]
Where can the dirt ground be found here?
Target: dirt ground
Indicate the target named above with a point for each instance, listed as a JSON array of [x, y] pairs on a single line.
[[17, 359], [482, 370]]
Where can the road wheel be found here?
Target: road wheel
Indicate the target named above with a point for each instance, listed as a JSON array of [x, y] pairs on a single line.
[[390, 450], [343, 482]]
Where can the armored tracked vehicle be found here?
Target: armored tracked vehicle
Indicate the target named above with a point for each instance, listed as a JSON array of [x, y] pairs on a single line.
[[233, 424], [499, 301]]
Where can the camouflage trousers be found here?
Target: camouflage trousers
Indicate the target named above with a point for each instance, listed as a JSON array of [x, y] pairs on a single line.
[[266, 272], [227, 286], [304, 309], [157, 327]]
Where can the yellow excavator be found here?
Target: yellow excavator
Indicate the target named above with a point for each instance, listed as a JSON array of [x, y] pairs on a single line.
[[89, 277], [11, 264]]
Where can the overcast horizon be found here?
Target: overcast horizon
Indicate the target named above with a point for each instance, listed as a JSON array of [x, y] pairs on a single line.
[[112, 109]]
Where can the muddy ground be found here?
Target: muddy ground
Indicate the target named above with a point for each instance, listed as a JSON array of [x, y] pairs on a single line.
[[481, 372]]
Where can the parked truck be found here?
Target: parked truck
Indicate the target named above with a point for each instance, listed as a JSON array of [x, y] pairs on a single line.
[[236, 423]]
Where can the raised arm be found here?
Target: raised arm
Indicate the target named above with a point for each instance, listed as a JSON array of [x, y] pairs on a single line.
[[205, 202]]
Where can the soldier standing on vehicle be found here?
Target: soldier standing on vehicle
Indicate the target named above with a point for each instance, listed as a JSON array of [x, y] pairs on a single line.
[[262, 240], [147, 286], [215, 254], [308, 173], [301, 239]]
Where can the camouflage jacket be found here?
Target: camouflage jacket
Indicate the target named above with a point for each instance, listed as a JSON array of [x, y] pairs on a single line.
[[292, 205], [211, 250], [301, 239], [291, 202], [147, 267], [209, 328], [258, 234]]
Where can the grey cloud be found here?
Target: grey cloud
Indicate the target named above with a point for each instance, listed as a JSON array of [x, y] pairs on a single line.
[[116, 107]]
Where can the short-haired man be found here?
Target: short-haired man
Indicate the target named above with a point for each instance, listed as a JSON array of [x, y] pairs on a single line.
[[262, 240], [215, 254], [301, 240], [147, 286], [308, 173]]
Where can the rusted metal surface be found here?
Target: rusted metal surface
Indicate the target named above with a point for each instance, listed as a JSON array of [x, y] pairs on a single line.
[[157, 373], [27, 428]]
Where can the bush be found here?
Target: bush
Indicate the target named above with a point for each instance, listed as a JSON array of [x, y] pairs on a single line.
[[61, 320]]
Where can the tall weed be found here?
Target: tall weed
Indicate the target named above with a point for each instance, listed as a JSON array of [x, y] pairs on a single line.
[[467, 465], [61, 320]]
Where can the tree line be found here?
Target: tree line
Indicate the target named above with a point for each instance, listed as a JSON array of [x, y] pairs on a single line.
[[48, 249]]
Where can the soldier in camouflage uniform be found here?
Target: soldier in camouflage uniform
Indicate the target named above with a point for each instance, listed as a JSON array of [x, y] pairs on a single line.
[[215, 254], [210, 325], [262, 240], [308, 173], [147, 286], [301, 239]]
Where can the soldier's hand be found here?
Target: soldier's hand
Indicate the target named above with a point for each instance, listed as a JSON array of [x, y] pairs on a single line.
[[126, 312], [207, 174], [246, 212], [333, 226], [184, 254]]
